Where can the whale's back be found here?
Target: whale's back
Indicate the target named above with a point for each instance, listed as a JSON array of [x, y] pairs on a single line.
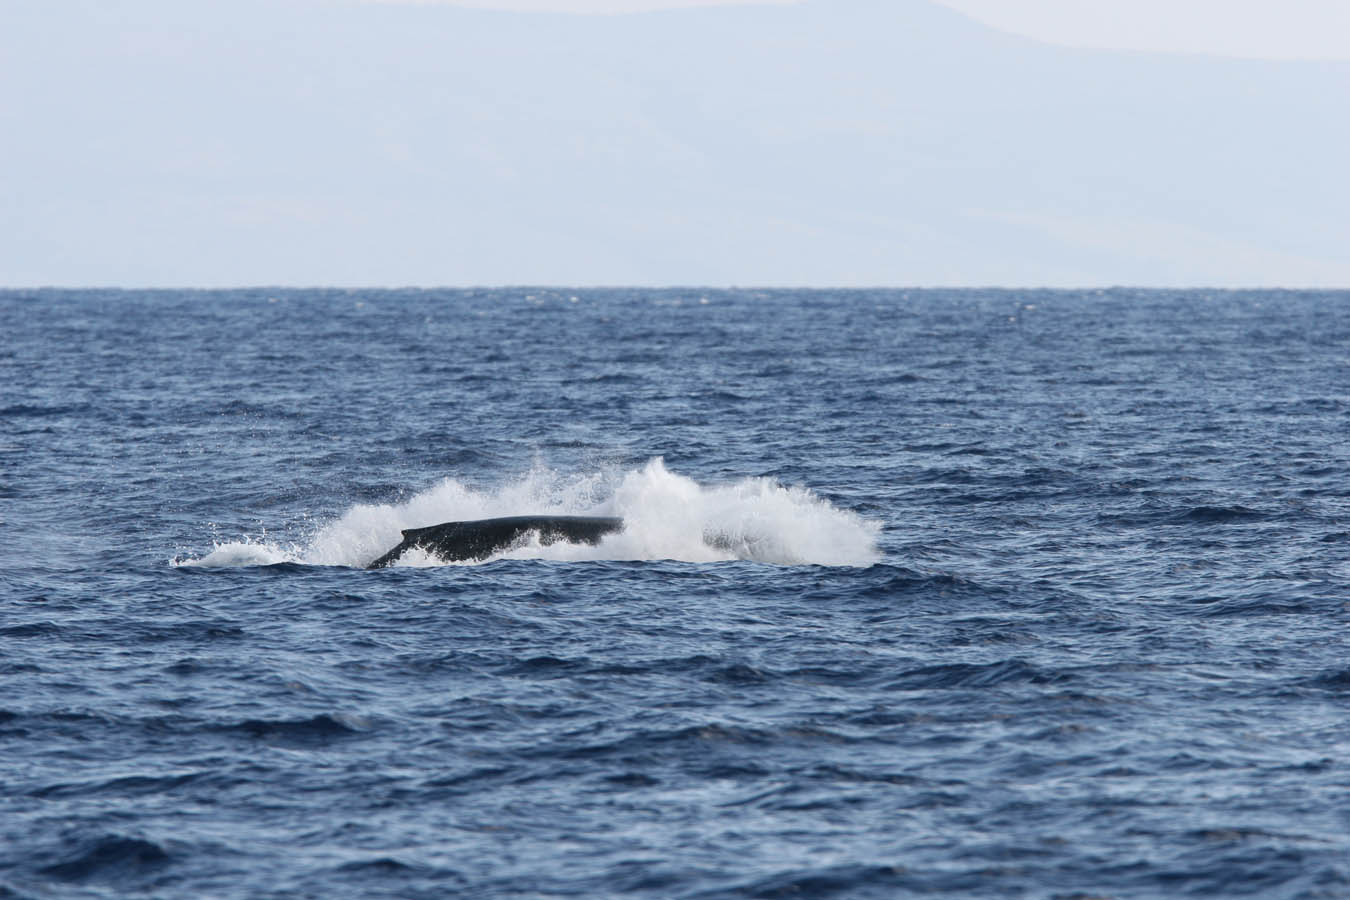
[[482, 538]]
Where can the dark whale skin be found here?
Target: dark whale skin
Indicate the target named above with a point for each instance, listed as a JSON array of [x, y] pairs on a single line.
[[481, 538]]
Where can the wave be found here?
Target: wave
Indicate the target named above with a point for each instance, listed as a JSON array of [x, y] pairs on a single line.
[[111, 856], [667, 516]]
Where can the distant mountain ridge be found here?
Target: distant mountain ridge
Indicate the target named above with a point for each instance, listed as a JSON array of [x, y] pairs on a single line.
[[835, 142]]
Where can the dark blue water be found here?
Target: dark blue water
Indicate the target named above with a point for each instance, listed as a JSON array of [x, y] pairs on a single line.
[[1019, 594]]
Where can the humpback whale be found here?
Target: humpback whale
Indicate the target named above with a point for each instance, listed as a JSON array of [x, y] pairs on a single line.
[[479, 539]]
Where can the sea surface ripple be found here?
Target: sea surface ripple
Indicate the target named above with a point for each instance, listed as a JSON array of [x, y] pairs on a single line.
[[1016, 594]]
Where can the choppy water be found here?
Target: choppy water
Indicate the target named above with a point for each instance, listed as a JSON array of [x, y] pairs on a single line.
[[1024, 594]]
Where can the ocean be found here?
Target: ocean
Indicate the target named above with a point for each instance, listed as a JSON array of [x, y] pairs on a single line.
[[1014, 593]]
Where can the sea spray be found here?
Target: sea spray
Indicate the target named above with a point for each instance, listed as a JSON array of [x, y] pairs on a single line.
[[666, 515]]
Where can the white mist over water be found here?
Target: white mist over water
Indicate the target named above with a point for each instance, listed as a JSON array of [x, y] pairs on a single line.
[[666, 516]]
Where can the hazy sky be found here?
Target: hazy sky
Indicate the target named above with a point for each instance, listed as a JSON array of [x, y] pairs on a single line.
[[1272, 29], [828, 142], [1275, 29]]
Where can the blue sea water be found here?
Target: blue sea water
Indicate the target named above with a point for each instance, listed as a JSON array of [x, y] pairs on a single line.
[[1020, 594]]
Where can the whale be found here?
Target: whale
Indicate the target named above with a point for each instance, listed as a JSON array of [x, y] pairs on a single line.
[[481, 538]]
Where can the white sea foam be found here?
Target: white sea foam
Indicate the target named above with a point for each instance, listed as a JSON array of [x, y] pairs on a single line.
[[666, 516]]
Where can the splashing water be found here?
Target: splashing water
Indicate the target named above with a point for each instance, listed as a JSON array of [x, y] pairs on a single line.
[[666, 516]]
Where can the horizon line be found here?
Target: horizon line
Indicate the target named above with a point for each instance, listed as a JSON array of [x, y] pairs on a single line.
[[676, 287]]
